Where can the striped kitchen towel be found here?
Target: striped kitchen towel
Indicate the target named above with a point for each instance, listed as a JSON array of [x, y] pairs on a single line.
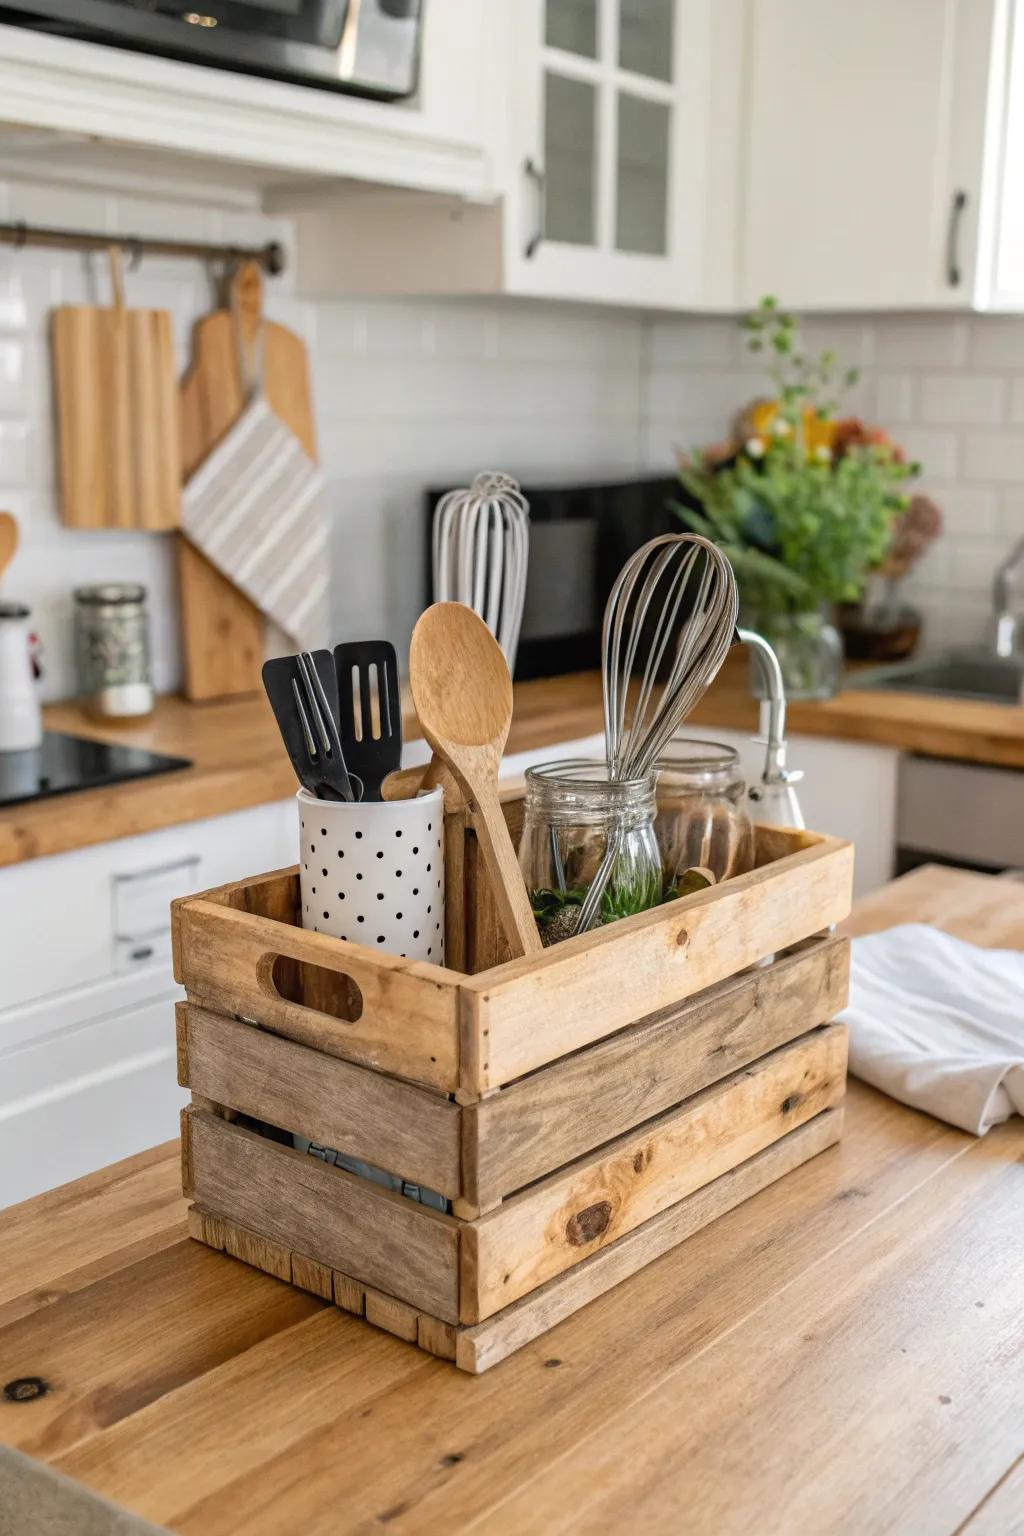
[[255, 509]]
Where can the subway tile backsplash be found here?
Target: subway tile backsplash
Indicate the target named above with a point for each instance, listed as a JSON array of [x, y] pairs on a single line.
[[411, 393]]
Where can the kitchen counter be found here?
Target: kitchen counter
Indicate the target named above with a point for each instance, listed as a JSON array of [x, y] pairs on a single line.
[[238, 759], [839, 1354]]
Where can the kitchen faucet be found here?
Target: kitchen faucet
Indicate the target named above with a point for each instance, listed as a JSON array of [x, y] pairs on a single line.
[[1008, 620]]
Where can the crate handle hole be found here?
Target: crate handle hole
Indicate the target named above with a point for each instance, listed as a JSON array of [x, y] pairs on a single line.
[[314, 986]]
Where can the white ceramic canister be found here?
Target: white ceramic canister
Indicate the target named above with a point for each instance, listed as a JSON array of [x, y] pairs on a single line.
[[21, 725], [372, 872]]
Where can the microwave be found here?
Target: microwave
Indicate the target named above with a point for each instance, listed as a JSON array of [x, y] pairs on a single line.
[[364, 47], [580, 537]]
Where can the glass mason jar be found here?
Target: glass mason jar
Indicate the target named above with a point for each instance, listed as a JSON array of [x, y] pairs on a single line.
[[809, 649], [573, 812], [112, 649], [703, 822]]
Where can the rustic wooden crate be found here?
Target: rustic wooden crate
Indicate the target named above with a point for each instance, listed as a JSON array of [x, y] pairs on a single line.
[[583, 1111]]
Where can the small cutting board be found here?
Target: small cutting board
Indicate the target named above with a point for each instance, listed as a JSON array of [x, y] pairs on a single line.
[[223, 633], [115, 383]]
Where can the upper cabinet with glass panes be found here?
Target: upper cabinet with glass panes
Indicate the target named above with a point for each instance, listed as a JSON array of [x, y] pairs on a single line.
[[611, 135]]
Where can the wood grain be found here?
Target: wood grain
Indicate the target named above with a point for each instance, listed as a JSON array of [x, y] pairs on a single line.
[[447, 1450], [388, 1123], [223, 633], [408, 1022], [486, 1344], [533, 1011], [551, 1117], [564, 1218], [853, 1345], [71, 1237], [462, 691], [67, 1344], [117, 417], [301, 1204]]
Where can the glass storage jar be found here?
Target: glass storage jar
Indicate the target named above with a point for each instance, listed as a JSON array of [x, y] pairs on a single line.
[[112, 650], [702, 822], [573, 810]]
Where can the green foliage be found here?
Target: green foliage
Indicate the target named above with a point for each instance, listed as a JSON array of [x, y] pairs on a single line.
[[800, 525]]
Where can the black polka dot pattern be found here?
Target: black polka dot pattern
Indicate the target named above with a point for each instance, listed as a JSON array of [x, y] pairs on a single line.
[[393, 905]]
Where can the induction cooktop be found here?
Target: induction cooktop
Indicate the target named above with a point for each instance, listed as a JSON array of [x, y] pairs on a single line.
[[62, 764]]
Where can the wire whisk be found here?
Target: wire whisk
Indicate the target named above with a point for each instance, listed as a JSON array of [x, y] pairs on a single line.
[[677, 591]]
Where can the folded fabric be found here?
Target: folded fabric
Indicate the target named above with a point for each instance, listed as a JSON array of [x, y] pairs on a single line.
[[939, 1024]]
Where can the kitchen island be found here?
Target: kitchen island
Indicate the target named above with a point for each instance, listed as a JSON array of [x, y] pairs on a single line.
[[842, 1353]]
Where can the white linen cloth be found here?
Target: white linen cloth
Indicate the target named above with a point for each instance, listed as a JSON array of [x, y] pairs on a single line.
[[939, 1024]]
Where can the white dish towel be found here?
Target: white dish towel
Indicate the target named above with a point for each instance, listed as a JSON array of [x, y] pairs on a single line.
[[939, 1024]]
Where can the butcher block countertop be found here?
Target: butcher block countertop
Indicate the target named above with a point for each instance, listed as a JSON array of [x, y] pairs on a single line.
[[238, 759], [840, 1354]]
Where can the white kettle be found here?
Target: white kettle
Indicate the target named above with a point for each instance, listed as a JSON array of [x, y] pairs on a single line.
[[21, 724]]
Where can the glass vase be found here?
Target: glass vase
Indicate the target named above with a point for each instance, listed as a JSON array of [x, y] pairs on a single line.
[[809, 649]]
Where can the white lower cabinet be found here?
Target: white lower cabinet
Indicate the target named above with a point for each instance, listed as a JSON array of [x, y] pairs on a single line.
[[87, 1050]]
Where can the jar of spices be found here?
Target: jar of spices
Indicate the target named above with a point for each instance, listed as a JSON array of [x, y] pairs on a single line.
[[703, 822], [112, 650], [574, 813]]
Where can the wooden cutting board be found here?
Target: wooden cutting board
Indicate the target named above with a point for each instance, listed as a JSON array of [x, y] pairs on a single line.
[[115, 382], [223, 633]]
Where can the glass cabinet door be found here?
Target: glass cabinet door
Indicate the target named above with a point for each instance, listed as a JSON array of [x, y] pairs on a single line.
[[608, 100]]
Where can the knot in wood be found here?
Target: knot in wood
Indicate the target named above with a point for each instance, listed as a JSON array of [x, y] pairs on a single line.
[[589, 1223]]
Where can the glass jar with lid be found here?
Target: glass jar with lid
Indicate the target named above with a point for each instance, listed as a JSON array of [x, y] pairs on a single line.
[[703, 822], [574, 814], [112, 649]]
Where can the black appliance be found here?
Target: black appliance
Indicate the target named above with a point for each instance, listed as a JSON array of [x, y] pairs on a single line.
[[365, 47], [62, 764], [580, 538]]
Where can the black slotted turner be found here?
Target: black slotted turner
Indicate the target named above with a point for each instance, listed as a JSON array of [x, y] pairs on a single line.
[[369, 711], [303, 694]]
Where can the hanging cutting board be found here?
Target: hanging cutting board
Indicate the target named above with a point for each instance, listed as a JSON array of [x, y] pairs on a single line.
[[223, 633], [115, 384]]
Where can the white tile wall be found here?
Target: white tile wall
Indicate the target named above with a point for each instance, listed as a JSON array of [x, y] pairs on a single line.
[[412, 393]]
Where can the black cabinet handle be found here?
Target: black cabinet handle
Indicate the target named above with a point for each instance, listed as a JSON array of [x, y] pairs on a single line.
[[953, 271], [536, 175]]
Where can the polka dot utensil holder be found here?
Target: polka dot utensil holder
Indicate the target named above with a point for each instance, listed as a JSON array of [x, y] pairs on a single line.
[[372, 872]]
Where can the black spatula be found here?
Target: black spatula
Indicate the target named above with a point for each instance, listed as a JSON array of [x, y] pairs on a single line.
[[303, 693], [369, 711]]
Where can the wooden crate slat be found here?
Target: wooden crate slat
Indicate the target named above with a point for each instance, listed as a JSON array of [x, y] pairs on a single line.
[[391, 1124], [535, 1010], [408, 1024], [553, 1225], [482, 1345], [477, 1347], [554, 1116], [349, 1224]]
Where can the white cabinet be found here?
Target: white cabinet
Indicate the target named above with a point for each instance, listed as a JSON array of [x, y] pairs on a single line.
[[87, 1040], [875, 174], [617, 155], [440, 140]]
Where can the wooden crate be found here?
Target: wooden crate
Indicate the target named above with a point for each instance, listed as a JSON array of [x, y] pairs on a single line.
[[582, 1111]]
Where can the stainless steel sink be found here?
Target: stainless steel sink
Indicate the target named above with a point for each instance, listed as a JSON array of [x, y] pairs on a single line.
[[956, 675]]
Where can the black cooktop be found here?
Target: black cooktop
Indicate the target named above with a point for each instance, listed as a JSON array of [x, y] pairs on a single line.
[[62, 764]]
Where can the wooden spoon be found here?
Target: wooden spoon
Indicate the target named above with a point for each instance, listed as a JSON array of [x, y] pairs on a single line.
[[462, 692], [8, 540]]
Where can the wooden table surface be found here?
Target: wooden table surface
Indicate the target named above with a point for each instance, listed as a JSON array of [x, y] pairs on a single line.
[[843, 1353], [238, 760]]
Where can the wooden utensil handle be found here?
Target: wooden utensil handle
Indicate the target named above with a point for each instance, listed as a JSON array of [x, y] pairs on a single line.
[[507, 882]]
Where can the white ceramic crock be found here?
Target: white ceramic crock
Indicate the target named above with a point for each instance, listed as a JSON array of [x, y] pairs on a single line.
[[21, 724], [372, 872]]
